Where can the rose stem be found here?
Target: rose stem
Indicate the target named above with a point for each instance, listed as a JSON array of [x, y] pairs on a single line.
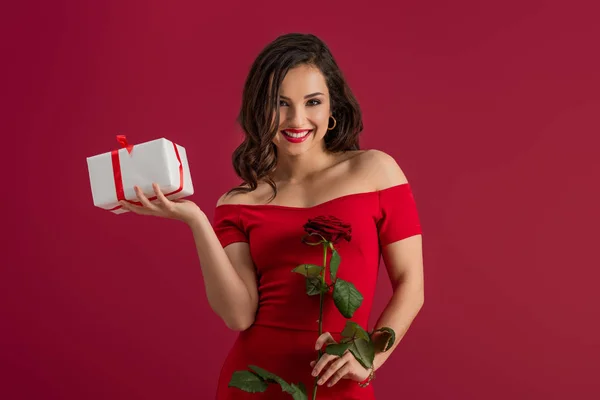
[[321, 297]]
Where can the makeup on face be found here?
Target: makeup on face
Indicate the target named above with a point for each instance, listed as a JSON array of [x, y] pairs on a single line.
[[296, 135]]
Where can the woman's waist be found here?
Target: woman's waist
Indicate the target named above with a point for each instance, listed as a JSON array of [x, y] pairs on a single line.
[[307, 320]]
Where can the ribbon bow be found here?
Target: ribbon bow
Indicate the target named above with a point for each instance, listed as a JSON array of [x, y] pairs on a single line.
[[123, 142]]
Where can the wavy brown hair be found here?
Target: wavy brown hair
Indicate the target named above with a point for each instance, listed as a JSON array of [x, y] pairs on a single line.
[[256, 158]]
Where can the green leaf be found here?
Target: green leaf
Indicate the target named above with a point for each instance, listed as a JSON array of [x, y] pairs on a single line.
[[259, 380], [354, 330], [313, 286], [346, 298], [389, 336], [337, 349], [308, 270], [299, 392], [363, 351], [334, 264], [269, 376], [263, 373], [248, 382], [302, 387]]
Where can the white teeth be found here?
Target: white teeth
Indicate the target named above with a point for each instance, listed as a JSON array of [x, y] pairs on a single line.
[[296, 135]]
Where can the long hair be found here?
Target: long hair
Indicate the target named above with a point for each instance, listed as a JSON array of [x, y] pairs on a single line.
[[256, 158]]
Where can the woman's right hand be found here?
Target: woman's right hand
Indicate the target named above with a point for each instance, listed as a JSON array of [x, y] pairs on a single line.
[[181, 210]]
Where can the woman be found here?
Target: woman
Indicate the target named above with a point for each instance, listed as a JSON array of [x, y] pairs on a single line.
[[301, 159]]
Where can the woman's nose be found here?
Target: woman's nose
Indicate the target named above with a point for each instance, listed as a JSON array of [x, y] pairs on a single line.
[[296, 117]]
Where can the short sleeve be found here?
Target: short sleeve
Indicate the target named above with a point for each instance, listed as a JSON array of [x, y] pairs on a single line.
[[227, 225], [398, 214]]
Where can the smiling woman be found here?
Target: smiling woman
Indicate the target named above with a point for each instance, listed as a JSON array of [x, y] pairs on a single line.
[[304, 94], [300, 161], [306, 117], [301, 124]]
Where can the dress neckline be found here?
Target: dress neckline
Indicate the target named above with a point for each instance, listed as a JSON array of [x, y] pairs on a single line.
[[345, 196]]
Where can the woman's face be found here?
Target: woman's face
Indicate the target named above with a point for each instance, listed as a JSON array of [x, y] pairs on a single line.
[[304, 110]]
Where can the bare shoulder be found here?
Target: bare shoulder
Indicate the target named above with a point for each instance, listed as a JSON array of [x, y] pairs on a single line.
[[381, 168], [233, 198], [262, 191]]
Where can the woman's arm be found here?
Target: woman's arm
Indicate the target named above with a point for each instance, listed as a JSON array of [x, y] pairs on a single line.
[[404, 263], [229, 276]]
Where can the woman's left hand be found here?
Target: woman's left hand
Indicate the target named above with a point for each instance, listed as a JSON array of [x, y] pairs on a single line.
[[335, 367]]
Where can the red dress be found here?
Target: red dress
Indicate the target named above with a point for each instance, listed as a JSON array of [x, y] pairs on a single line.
[[285, 330]]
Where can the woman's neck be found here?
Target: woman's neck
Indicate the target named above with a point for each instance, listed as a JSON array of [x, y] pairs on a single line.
[[300, 168]]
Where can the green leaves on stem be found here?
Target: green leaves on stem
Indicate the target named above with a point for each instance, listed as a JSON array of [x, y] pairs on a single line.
[[308, 270], [334, 264], [389, 335], [314, 281], [248, 382], [359, 342], [257, 381], [346, 297], [314, 286]]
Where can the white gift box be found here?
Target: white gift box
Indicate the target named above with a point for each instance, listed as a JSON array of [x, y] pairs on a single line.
[[114, 174]]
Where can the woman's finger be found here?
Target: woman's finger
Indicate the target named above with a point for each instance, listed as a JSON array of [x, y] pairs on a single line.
[[331, 369], [143, 199], [325, 338], [166, 203], [322, 363], [339, 374]]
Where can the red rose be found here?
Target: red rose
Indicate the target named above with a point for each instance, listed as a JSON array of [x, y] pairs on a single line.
[[329, 227]]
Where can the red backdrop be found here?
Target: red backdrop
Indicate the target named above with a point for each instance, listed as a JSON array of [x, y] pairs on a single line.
[[490, 108]]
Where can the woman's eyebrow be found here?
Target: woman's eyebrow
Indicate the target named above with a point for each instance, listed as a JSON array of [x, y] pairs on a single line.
[[306, 97]]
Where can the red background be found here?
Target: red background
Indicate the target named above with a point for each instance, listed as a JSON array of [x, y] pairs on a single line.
[[491, 109]]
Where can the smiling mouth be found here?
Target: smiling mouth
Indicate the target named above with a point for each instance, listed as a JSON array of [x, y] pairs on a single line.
[[296, 133]]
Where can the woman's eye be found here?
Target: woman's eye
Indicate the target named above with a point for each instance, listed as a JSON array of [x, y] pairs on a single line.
[[312, 102]]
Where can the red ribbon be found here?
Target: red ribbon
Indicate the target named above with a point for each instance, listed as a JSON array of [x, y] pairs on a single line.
[[118, 177], [123, 142]]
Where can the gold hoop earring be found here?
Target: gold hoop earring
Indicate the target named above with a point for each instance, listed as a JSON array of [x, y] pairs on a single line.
[[334, 124]]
